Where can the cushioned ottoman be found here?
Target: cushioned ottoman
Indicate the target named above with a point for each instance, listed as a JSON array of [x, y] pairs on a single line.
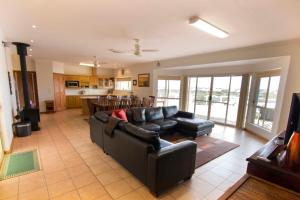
[[194, 127]]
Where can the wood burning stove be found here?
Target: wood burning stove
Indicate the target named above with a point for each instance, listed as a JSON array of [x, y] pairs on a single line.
[[27, 113]]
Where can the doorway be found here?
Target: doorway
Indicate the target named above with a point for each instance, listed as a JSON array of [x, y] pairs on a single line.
[[215, 98], [265, 90]]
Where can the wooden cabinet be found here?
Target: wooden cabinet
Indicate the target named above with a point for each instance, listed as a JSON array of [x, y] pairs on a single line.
[[73, 102], [59, 91], [94, 81], [106, 83]]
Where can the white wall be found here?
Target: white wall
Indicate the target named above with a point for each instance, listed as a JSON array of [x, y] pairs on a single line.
[[44, 75], [73, 69], [6, 104], [58, 67]]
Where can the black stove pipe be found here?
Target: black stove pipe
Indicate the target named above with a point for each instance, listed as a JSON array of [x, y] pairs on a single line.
[[22, 52]]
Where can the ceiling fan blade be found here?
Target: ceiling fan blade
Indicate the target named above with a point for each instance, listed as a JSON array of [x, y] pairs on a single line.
[[150, 50]]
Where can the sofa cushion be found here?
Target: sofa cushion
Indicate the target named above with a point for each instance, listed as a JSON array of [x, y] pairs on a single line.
[[165, 124], [138, 114], [164, 143], [170, 111], [195, 124], [148, 126], [154, 113], [120, 113], [150, 137], [102, 116]]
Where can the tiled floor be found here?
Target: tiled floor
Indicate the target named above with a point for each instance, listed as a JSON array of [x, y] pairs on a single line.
[[74, 168]]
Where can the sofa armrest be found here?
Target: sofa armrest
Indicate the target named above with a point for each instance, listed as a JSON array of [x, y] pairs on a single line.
[[170, 165], [184, 114]]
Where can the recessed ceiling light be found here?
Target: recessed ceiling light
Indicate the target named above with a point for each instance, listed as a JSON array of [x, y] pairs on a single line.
[[207, 27], [30, 49], [34, 26], [30, 55], [32, 41], [86, 64]]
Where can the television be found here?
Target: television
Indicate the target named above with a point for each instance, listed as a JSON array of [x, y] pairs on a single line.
[[294, 117]]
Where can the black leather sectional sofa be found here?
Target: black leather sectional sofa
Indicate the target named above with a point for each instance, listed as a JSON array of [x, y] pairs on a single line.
[[137, 145]]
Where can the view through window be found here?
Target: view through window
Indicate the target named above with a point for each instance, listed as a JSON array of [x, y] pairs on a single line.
[[168, 93], [265, 101], [215, 98], [123, 84]]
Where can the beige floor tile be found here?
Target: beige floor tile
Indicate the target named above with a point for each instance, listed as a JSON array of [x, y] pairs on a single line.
[[8, 189], [56, 177], [105, 197], [73, 195], [60, 188], [133, 182], [92, 191], [123, 173], [37, 194], [108, 177], [211, 178], [73, 162], [225, 185], [11, 198], [118, 189], [30, 184], [84, 179], [131, 196], [94, 160], [77, 170], [214, 195], [100, 168]]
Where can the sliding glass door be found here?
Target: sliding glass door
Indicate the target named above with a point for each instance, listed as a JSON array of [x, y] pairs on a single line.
[[266, 90], [215, 98], [199, 96], [168, 93]]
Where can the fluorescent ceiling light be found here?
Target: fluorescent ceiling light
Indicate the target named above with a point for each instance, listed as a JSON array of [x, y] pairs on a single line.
[[86, 64], [207, 27]]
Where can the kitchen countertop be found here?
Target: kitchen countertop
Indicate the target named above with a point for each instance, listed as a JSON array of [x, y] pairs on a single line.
[[89, 96]]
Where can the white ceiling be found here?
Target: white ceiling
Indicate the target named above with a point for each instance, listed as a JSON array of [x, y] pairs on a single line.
[[76, 30]]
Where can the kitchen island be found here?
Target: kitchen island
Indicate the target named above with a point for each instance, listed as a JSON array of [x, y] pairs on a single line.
[[84, 103]]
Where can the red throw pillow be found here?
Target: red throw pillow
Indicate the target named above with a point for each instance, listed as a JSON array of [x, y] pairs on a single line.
[[121, 114], [114, 114]]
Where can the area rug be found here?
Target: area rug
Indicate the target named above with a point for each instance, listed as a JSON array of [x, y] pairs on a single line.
[[208, 148], [20, 163]]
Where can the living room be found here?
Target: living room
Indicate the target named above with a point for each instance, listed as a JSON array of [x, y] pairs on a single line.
[[202, 86]]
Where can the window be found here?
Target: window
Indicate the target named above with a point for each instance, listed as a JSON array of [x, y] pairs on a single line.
[[215, 98], [265, 101], [123, 84], [168, 92]]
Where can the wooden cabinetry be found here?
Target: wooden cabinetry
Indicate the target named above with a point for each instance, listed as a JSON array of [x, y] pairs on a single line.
[[73, 102], [59, 91]]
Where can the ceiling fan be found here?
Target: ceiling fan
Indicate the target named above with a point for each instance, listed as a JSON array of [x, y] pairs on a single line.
[[137, 49], [96, 63]]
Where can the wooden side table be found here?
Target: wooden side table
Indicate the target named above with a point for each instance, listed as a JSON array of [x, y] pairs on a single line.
[[275, 171]]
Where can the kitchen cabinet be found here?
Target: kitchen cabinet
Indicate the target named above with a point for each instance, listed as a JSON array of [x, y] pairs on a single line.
[[94, 81], [73, 101], [106, 83]]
